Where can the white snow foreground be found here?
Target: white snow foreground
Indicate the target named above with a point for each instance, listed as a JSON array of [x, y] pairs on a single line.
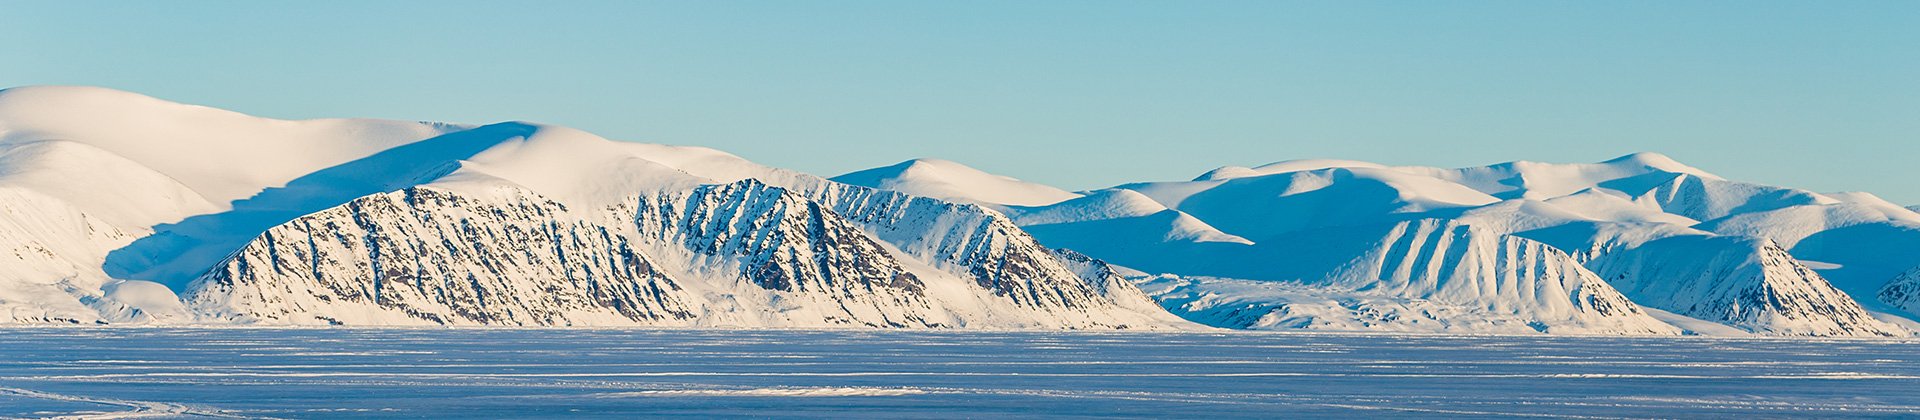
[[113, 198], [1347, 245]]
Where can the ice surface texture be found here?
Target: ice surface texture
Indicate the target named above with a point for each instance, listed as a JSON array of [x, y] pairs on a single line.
[[412, 373]]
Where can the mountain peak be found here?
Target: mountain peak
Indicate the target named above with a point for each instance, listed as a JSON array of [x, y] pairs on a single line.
[[1658, 161], [1295, 165], [951, 180]]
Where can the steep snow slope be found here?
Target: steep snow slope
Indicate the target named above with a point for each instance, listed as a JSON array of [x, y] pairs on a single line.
[[49, 260], [984, 246], [1747, 283], [111, 187], [178, 252], [1423, 275], [953, 181], [1863, 247]]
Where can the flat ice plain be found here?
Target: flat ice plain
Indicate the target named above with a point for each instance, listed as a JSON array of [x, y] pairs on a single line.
[[308, 373]]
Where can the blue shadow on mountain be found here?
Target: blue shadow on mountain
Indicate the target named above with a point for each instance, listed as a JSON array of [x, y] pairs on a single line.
[[179, 252]]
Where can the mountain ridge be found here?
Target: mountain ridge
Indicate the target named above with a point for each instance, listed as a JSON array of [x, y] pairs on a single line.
[[122, 208], [1827, 248]]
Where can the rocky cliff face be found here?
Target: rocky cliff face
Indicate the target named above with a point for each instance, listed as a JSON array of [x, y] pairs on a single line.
[[780, 241], [1903, 292], [1747, 283], [427, 256], [967, 240], [736, 254]]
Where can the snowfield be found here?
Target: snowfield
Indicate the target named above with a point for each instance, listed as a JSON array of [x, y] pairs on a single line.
[[412, 373]]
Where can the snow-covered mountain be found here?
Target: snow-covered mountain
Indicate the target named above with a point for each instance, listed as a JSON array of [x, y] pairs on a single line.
[[125, 200], [1269, 246], [120, 208]]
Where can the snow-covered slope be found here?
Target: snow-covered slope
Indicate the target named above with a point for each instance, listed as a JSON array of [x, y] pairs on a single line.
[[1681, 228], [1423, 275], [369, 222], [221, 155], [953, 181], [93, 171], [1747, 283], [49, 259], [1538, 180], [1860, 246]]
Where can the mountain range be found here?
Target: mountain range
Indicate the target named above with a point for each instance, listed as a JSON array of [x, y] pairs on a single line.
[[117, 208]]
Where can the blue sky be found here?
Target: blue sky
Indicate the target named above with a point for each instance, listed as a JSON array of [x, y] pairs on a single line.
[[1821, 95]]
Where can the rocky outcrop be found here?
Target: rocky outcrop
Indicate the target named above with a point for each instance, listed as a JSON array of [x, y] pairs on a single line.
[[1903, 292], [737, 254], [427, 256], [778, 240]]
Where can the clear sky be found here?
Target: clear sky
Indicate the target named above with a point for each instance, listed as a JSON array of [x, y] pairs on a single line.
[[1815, 94]]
